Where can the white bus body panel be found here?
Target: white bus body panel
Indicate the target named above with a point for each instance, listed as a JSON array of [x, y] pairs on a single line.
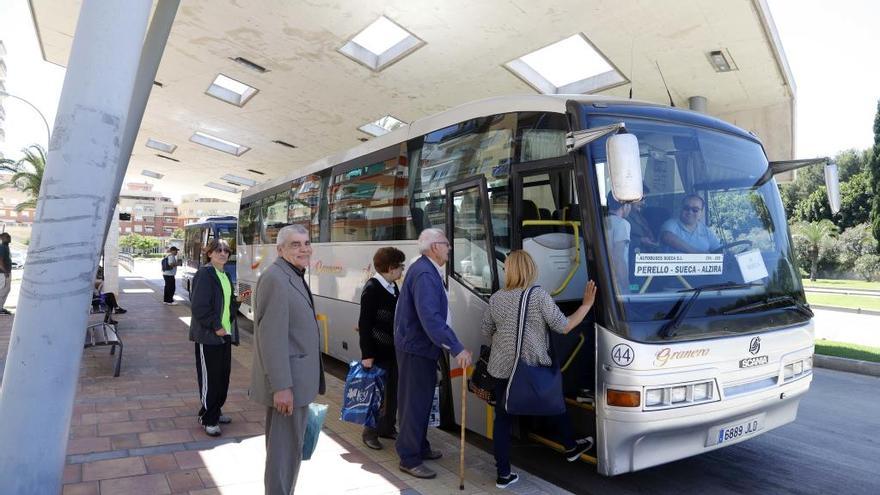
[[630, 439]]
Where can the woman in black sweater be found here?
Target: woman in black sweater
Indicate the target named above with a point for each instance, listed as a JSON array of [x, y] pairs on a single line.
[[376, 328]]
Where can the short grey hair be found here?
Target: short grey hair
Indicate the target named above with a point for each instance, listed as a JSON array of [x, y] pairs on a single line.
[[428, 237], [288, 231]]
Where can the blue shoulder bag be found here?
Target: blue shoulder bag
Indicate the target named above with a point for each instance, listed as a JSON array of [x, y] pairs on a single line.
[[533, 390]]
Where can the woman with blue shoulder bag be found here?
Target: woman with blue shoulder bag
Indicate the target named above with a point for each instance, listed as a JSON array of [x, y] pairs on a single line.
[[518, 321], [376, 329]]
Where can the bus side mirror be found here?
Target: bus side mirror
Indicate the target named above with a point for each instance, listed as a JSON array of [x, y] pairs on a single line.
[[832, 186], [625, 167]]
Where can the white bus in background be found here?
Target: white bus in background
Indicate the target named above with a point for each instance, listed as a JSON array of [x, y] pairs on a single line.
[[687, 354]]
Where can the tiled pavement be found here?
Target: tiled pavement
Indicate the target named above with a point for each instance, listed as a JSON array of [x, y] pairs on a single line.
[[138, 434]]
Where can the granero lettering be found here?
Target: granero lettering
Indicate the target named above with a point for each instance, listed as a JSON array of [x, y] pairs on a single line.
[[666, 354]]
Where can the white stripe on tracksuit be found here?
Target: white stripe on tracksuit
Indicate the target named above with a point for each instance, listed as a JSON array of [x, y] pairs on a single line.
[[204, 376]]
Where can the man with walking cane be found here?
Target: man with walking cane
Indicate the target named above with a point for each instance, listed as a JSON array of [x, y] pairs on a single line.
[[421, 331]]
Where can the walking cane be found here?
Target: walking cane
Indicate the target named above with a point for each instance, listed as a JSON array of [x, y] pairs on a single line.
[[463, 421]]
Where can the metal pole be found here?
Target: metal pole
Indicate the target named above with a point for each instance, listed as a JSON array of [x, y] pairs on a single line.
[[42, 117], [45, 349]]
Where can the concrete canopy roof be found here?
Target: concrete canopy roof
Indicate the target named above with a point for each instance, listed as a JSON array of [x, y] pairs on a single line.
[[315, 98]]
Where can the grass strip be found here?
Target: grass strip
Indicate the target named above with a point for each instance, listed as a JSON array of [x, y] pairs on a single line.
[[847, 350], [844, 301], [842, 284]]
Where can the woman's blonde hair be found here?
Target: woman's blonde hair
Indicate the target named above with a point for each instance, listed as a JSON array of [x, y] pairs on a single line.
[[519, 270]]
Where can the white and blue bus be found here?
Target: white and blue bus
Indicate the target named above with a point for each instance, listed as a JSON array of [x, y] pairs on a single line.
[[196, 237], [683, 353]]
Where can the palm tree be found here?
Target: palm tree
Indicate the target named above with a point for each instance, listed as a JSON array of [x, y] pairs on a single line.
[[817, 236], [27, 174]]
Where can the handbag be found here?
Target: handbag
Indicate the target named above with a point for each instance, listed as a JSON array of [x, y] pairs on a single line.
[[317, 413], [532, 390], [481, 383]]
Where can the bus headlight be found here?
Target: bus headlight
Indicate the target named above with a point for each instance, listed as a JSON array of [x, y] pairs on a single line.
[[654, 397], [701, 391], [679, 395], [797, 369]]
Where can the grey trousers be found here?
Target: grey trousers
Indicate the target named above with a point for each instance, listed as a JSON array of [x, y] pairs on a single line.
[[284, 440], [5, 285]]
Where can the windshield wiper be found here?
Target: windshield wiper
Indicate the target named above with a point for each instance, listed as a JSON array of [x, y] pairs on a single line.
[[682, 309], [792, 303]]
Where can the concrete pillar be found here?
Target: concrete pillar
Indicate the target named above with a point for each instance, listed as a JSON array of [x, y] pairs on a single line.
[[698, 104], [45, 349], [154, 47], [111, 256]]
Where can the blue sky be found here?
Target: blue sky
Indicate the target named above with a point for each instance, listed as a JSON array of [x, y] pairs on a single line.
[[832, 48]]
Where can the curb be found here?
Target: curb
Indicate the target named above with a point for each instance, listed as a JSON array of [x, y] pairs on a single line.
[[848, 365], [847, 310]]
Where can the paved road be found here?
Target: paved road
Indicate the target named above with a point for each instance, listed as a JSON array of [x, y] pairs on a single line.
[[832, 448]]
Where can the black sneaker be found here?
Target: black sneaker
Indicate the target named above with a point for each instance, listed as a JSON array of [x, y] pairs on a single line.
[[581, 445], [120, 311], [504, 482], [4, 311]]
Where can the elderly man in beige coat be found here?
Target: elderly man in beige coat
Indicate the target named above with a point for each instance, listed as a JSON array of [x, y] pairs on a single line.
[[287, 372]]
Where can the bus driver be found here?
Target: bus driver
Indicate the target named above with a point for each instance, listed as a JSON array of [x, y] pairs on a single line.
[[688, 233]]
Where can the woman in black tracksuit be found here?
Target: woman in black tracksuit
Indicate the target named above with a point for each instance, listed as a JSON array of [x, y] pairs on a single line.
[[376, 328], [214, 330]]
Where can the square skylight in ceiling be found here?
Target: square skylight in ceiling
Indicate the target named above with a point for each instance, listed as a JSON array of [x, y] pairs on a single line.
[[570, 66], [381, 44], [161, 146], [241, 181], [221, 187], [150, 173], [231, 91], [218, 144], [382, 126]]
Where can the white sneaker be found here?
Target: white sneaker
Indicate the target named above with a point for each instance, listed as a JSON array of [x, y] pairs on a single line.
[[213, 431]]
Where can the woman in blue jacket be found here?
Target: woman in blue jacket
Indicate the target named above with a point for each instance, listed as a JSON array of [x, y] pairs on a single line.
[[214, 330]]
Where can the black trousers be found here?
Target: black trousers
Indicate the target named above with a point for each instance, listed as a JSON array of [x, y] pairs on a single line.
[[415, 395], [388, 413], [170, 286], [213, 364]]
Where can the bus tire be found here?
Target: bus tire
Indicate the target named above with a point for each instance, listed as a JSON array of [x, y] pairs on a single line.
[[447, 403]]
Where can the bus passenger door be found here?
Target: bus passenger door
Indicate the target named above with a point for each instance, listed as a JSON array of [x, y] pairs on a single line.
[[546, 223], [472, 276]]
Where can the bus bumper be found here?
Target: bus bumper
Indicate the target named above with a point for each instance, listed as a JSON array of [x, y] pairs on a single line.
[[641, 439]]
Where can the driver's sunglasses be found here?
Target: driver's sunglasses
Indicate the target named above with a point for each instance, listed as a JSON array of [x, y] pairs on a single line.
[[223, 250], [692, 209]]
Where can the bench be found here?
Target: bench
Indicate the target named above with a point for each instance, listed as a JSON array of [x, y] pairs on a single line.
[[101, 334]]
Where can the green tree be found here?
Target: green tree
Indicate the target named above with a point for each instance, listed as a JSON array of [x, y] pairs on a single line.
[[854, 243], [855, 201], [817, 237], [875, 175], [178, 233], [868, 266], [141, 244], [27, 174]]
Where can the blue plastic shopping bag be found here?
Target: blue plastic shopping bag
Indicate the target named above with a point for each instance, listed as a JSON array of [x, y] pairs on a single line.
[[363, 393], [317, 413]]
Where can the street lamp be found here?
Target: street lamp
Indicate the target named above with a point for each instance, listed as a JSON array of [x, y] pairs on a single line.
[[43, 118]]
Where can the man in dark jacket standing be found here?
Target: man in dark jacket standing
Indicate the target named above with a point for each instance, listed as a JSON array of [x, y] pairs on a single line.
[[421, 331], [287, 372]]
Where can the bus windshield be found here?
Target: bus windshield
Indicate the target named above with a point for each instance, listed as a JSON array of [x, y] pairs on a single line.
[[707, 251]]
